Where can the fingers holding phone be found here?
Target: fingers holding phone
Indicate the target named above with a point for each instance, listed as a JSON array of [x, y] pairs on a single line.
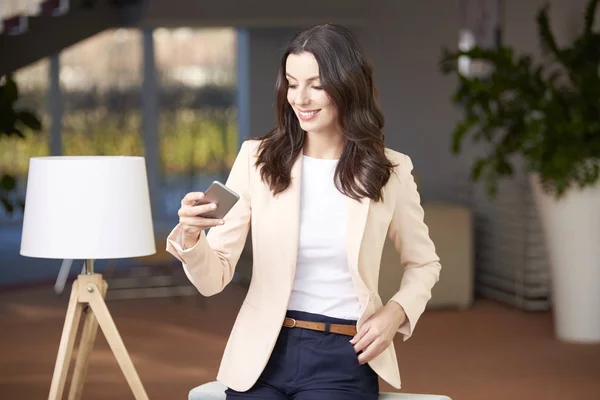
[[192, 217], [200, 211]]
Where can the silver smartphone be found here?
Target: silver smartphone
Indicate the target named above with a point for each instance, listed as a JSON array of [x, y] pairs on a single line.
[[220, 195]]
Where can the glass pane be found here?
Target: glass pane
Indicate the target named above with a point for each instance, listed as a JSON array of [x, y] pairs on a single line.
[[102, 99], [198, 127]]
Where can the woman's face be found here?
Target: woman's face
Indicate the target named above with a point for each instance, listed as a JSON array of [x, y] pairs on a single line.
[[314, 109]]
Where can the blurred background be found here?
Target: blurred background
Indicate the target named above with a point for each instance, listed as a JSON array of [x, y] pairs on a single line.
[[183, 83]]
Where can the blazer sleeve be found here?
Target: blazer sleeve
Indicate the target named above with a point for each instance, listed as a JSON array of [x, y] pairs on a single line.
[[211, 262], [418, 256]]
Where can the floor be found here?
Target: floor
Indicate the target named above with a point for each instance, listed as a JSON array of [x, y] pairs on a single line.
[[489, 352]]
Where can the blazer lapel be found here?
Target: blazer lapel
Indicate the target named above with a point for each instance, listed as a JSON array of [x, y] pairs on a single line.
[[288, 220], [358, 212]]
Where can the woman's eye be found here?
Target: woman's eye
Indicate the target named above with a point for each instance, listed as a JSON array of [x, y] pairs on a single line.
[[291, 86], [318, 87]]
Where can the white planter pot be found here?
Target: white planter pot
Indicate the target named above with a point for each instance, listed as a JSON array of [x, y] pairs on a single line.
[[571, 227]]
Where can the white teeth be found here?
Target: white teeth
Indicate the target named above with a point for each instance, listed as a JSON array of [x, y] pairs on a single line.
[[308, 114]]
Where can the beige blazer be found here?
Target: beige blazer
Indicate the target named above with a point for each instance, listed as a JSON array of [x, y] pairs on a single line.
[[210, 264]]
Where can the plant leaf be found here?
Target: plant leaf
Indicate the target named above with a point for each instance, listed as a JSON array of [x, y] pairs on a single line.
[[7, 122], [590, 14], [10, 93], [7, 206], [547, 40], [460, 131], [29, 120], [477, 169], [7, 182]]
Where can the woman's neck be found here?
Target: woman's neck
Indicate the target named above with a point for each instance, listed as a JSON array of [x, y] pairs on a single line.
[[320, 145]]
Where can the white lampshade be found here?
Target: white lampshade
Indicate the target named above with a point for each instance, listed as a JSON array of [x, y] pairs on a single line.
[[87, 208]]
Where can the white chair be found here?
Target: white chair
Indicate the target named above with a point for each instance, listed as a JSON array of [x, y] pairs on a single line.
[[216, 391]]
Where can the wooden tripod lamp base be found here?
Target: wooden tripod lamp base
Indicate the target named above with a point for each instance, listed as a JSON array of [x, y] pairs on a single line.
[[87, 299]]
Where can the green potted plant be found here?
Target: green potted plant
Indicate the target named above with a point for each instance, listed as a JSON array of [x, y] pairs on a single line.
[[13, 122], [545, 115]]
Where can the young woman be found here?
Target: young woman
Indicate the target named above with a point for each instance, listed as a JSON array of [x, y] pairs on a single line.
[[321, 193]]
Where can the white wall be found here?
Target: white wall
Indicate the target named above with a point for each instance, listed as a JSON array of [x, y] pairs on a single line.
[[266, 47], [404, 39]]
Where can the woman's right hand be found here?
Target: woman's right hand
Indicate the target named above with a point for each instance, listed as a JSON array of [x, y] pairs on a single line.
[[190, 218]]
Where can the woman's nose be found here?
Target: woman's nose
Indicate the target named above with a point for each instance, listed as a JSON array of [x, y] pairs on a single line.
[[302, 97]]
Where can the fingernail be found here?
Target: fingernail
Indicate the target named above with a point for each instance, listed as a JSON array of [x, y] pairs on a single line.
[[213, 206], [221, 222]]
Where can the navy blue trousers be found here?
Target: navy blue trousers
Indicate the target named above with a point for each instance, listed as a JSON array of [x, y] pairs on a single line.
[[312, 365]]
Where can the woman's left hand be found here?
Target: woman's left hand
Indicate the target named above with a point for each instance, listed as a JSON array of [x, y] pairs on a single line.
[[378, 331]]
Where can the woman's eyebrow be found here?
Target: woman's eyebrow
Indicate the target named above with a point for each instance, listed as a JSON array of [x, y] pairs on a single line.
[[314, 78]]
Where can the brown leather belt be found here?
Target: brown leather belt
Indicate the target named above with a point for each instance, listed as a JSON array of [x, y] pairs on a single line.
[[348, 330]]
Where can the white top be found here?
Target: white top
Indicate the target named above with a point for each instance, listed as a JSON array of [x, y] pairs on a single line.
[[322, 283]]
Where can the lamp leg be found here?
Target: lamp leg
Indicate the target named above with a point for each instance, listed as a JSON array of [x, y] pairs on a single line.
[[90, 292], [86, 344], [67, 340]]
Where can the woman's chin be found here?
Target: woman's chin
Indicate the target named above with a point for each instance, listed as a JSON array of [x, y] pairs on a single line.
[[306, 126], [315, 127], [311, 126]]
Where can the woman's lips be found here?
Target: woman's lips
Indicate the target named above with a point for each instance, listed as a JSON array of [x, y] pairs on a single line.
[[307, 115]]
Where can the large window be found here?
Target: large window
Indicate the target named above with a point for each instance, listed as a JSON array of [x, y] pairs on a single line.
[[101, 82]]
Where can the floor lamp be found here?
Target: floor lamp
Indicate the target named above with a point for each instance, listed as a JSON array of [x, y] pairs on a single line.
[[88, 208]]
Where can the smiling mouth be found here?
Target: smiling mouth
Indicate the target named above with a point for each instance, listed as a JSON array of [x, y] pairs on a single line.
[[307, 114]]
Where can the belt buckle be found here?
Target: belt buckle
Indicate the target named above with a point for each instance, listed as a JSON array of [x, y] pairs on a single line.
[[293, 322]]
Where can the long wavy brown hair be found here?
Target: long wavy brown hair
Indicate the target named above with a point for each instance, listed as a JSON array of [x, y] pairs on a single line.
[[347, 77]]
